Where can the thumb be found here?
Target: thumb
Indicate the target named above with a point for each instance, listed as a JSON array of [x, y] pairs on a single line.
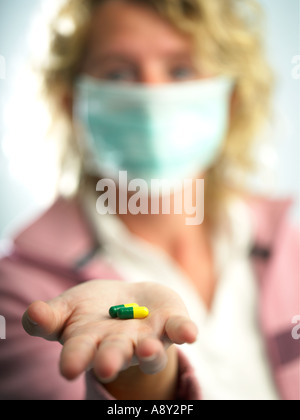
[[46, 320]]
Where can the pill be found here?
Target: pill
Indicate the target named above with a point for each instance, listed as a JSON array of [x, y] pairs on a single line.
[[139, 312], [113, 311]]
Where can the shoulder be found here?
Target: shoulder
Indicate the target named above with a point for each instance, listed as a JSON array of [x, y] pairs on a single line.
[[271, 220], [58, 236], [54, 252], [39, 257], [277, 242]]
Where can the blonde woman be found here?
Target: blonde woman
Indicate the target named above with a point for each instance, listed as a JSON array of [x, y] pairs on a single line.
[[154, 89]]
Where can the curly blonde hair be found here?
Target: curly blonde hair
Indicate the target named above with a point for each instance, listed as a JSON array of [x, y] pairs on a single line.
[[228, 37]]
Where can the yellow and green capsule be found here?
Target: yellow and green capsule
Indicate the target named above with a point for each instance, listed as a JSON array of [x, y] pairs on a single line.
[[137, 312], [113, 311]]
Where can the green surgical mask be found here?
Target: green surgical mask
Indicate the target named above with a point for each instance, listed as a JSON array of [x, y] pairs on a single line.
[[170, 132]]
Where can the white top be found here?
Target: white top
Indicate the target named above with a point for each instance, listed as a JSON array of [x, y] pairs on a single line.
[[229, 355]]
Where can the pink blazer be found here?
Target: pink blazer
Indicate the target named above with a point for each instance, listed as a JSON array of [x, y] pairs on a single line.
[[58, 251]]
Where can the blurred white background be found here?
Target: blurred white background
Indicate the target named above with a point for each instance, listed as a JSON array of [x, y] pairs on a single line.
[[24, 192]]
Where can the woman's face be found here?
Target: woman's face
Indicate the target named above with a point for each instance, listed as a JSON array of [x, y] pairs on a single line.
[[131, 43]]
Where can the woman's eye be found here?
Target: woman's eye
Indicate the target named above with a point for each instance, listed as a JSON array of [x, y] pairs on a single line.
[[183, 73], [120, 75]]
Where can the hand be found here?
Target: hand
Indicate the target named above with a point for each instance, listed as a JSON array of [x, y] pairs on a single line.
[[79, 320]]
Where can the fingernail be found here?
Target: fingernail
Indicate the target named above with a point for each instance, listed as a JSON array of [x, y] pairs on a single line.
[[153, 364], [107, 380], [32, 322], [148, 359]]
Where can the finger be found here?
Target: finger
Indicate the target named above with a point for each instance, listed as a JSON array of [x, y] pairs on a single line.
[[181, 329], [151, 355], [112, 355], [76, 356], [46, 320]]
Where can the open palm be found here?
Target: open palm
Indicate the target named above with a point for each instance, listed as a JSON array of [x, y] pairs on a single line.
[[80, 321]]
